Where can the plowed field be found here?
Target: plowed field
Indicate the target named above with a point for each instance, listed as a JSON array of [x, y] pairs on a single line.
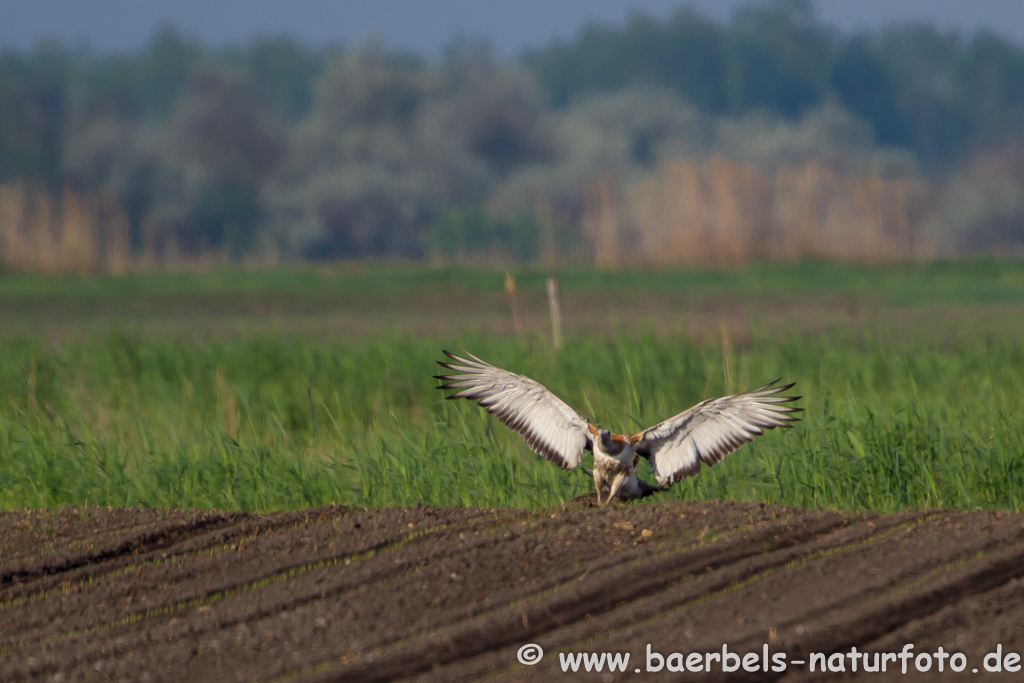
[[431, 594]]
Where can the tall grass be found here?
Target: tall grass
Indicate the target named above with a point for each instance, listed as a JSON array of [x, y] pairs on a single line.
[[274, 422]]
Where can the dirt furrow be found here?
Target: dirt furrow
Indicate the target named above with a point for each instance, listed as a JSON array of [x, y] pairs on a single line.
[[864, 625], [533, 549], [28, 533], [27, 607], [862, 597], [326, 582], [991, 618], [431, 594], [167, 590], [686, 591], [92, 573], [160, 536], [594, 595]]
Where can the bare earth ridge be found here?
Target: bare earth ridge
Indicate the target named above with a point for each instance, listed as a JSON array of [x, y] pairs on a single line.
[[451, 594]]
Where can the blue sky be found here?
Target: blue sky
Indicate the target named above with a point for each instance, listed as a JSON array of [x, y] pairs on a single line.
[[424, 26]]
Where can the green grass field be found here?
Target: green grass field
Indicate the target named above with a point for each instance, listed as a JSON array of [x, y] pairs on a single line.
[[267, 420]]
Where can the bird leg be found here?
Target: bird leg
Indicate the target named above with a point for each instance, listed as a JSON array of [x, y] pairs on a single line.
[[598, 482], [617, 482]]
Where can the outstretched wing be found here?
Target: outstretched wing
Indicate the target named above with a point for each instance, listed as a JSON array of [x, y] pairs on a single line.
[[711, 430], [550, 427]]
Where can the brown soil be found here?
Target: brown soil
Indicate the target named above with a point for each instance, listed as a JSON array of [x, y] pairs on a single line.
[[443, 314], [430, 594]]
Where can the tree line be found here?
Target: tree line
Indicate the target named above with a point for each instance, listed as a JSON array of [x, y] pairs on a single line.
[[355, 152]]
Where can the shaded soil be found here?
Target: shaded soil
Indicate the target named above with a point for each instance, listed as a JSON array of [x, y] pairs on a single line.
[[441, 314], [432, 594]]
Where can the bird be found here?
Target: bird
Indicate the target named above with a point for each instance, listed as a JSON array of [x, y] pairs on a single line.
[[674, 448]]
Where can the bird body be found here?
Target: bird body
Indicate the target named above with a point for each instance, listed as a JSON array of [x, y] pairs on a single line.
[[614, 465], [675, 448], [615, 462]]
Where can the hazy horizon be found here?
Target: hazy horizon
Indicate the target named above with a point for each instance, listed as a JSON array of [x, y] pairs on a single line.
[[110, 26]]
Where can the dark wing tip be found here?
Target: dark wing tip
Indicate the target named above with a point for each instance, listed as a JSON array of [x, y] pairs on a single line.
[[775, 389], [450, 355]]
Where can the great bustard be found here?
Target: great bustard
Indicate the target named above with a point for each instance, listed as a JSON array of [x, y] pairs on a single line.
[[675, 448]]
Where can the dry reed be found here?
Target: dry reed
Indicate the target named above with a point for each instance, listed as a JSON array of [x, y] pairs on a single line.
[[727, 213], [75, 233]]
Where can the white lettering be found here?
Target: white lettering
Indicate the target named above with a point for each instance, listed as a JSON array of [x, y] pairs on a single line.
[[728, 658], [998, 656], [650, 656], [906, 654]]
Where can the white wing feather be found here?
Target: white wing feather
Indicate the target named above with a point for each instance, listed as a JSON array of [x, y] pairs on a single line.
[[547, 424], [711, 430]]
